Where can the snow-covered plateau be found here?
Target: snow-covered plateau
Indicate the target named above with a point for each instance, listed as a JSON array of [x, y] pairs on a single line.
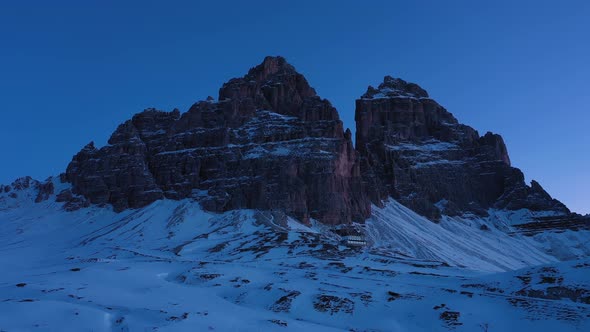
[[173, 267]]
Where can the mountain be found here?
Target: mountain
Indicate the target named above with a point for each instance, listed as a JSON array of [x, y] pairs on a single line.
[[269, 143], [234, 216], [416, 151]]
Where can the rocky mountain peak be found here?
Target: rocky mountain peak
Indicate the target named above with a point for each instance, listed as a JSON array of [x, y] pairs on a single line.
[[271, 66], [275, 84], [395, 87]]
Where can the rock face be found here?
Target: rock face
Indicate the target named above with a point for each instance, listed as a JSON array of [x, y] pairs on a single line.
[[269, 143], [416, 151]]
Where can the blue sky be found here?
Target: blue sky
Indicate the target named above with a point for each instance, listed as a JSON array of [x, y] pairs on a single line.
[[71, 71]]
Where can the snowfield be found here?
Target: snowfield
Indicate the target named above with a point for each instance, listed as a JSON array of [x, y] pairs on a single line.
[[173, 267]]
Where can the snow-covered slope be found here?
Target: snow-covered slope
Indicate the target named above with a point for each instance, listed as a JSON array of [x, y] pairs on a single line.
[[173, 267], [470, 243]]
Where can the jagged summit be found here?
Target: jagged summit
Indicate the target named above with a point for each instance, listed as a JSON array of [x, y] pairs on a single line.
[[395, 87], [275, 84], [271, 66]]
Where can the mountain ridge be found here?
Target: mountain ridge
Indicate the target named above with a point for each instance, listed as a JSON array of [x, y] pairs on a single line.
[[407, 147], [227, 217]]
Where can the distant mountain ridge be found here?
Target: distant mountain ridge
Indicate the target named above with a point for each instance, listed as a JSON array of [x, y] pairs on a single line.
[[271, 143]]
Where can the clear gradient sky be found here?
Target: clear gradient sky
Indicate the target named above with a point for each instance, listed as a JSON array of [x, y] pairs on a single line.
[[71, 71]]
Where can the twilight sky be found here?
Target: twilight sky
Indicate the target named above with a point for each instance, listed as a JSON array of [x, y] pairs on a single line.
[[71, 71]]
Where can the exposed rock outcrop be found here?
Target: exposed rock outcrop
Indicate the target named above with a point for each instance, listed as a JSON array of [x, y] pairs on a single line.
[[27, 188], [72, 202], [416, 151], [269, 143], [44, 191], [23, 183]]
